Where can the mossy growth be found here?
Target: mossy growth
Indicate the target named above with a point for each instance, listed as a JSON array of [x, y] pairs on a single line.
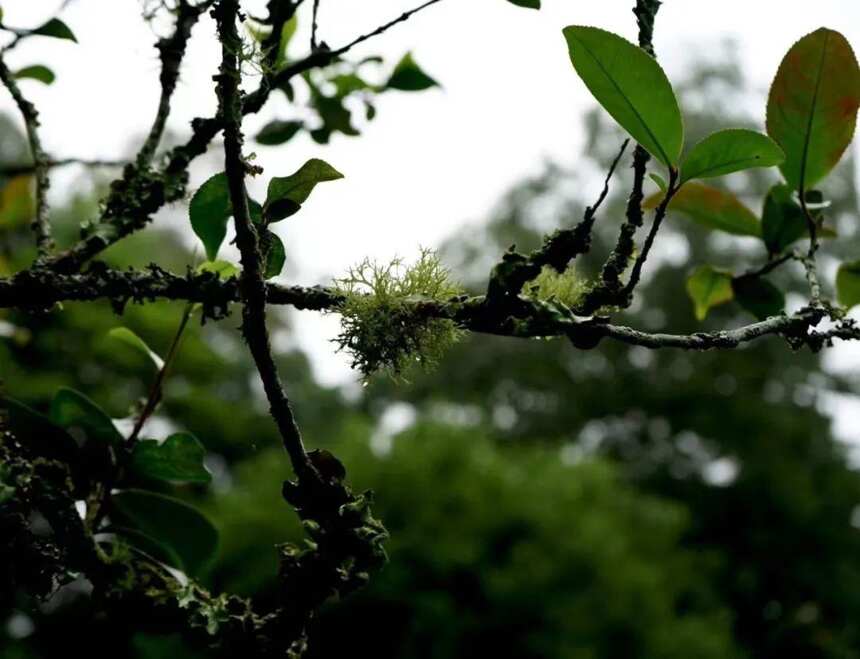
[[567, 288], [381, 329]]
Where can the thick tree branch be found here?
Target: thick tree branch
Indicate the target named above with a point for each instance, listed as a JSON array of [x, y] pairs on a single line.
[[40, 290], [253, 285]]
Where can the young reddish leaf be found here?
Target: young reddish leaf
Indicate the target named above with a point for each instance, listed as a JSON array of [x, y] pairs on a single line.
[[812, 106], [712, 208], [728, 151], [631, 87], [709, 287]]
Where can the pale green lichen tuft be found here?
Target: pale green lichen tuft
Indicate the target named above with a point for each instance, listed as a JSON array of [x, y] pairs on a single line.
[[381, 329], [567, 287]]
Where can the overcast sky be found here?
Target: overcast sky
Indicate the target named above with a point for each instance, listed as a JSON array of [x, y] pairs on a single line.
[[431, 162]]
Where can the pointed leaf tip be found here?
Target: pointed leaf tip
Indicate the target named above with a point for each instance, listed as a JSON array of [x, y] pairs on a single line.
[[631, 87], [730, 150]]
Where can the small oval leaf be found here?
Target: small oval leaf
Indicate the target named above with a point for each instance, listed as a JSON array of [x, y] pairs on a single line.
[[72, 409], [178, 459], [209, 211], [712, 208], [36, 72], [812, 106], [133, 341], [55, 28], [286, 194], [709, 287], [275, 255], [631, 87], [731, 150], [278, 132]]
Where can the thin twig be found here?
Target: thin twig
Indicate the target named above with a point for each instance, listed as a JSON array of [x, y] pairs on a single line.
[[315, 26], [24, 169], [155, 392], [659, 216], [41, 224], [171, 52], [405, 16], [253, 286]]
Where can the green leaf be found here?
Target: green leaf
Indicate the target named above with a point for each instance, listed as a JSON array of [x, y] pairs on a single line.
[[37, 72], [728, 151], [631, 87], [36, 430], [659, 180], [133, 341], [278, 132], [848, 284], [782, 220], [758, 296], [185, 535], [712, 208], [287, 194], [224, 269], [273, 248], [349, 83], [146, 545], [72, 409], [812, 106], [530, 4], [178, 459], [708, 287], [287, 34], [209, 211], [409, 77], [55, 28]]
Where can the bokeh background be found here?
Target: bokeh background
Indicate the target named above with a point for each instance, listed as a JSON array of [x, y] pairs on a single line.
[[543, 502]]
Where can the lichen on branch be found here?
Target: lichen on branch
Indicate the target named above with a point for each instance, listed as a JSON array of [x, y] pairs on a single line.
[[381, 328]]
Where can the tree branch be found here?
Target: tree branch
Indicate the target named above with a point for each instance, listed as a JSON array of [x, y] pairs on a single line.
[[253, 286], [532, 318], [41, 224]]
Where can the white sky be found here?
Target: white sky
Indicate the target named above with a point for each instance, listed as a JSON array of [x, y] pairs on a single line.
[[430, 162]]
